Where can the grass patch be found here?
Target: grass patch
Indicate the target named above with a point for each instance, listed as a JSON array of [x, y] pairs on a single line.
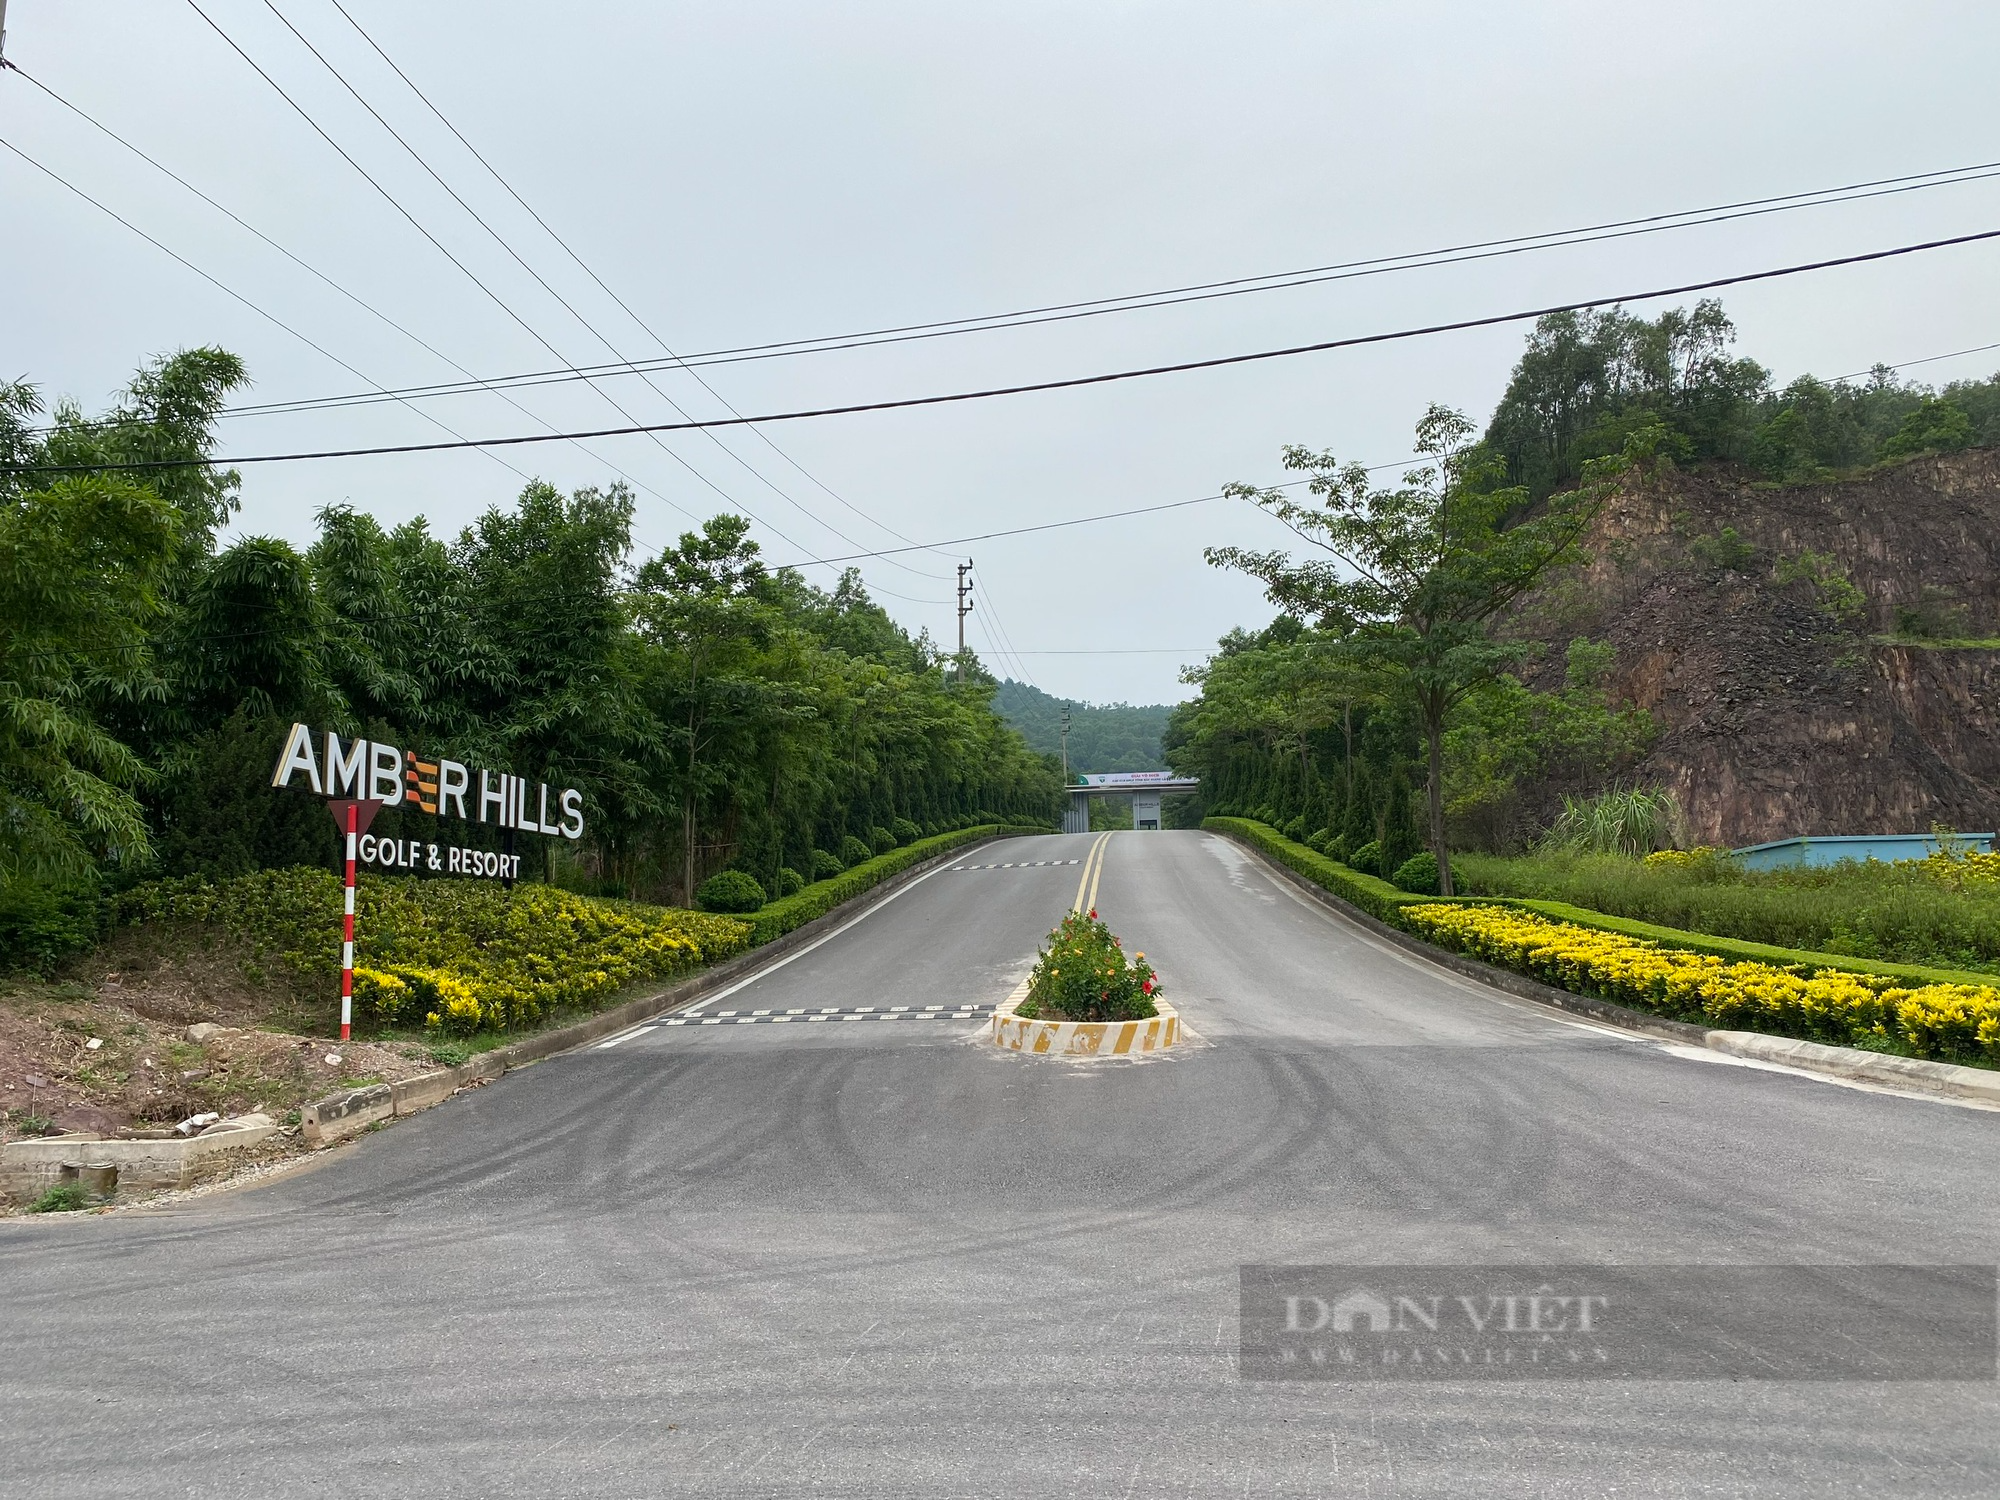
[[65, 1198]]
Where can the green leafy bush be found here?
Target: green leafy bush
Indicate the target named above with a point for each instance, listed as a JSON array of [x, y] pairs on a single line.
[[1084, 975], [790, 882], [1367, 857], [905, 831], [40, 925], [1626, 820], [63, 1198], [730, 891], [1418, 874], [1320, 842], [880, 840], [1296, 829], [456, 956], [824, 865], [852, 852], [822, 896]]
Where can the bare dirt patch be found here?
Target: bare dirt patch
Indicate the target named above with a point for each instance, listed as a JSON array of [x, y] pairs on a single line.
[[105, 1047]]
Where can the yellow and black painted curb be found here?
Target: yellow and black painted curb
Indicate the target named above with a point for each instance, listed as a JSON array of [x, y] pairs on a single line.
[[1082, 1038]]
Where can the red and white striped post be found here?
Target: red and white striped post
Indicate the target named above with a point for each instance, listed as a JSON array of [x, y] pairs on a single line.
[[352, 818], [347, 924]]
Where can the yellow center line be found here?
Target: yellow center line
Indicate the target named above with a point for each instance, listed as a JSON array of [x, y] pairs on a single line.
[[1093, 867], [1089, 864]]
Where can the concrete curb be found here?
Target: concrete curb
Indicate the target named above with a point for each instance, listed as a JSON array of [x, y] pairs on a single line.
[[1081, 1038], [30, 1166], [332, 1119], [1906, 1074]]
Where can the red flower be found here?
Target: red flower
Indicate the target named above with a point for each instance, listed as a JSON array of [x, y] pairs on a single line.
[[1146, 988], [1093, 914]]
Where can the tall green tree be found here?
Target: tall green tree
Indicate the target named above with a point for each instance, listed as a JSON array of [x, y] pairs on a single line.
[[1413, 578]]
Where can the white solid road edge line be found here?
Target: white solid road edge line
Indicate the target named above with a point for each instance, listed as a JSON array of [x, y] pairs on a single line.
[[626, 1036]]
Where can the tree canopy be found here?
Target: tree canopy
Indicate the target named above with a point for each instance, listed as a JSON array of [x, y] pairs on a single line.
[[714, 712]]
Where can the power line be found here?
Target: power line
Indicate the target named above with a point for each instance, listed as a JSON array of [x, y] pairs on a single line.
[[1404, 463], [623, 306], [544, 284], [1379, 265], [1929, 359], [231, 292], [1074, 382], [469, 274]]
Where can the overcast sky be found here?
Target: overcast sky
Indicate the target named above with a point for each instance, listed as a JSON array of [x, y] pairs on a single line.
[[744, 173]]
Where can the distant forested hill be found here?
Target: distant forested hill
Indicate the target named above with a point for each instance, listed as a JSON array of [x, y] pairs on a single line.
[[1102, 737]]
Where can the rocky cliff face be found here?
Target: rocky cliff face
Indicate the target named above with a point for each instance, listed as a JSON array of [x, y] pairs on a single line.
[[1792, 645]]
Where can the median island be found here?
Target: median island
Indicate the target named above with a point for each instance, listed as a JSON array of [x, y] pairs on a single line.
[[1086, 998]]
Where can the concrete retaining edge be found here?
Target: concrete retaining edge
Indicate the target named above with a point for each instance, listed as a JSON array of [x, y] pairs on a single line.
[[1908, 1074], [339, 1116], [27, 1167]]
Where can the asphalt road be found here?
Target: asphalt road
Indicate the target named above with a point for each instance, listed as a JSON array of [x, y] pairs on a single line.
[[878, 1258]]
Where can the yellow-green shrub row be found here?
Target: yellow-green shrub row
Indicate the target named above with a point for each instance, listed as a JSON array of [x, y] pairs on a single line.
[[1948, 1022], [454, 955]]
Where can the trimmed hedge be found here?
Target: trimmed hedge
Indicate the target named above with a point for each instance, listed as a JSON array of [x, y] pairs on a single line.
[[822, 896], [1946, 1022], [1382, 900], [1375, 896]]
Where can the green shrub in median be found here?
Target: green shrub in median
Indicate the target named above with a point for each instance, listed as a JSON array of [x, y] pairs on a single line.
[[1083, 975], [853, 852], [905, 831], [790, 882], [824, 866]]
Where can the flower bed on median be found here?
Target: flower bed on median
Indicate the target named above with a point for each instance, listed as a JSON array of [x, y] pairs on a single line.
[[1083, 975], [1948, 1022]]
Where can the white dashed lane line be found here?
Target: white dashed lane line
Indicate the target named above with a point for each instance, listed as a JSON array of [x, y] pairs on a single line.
[[836, 1013], [1026, 864]]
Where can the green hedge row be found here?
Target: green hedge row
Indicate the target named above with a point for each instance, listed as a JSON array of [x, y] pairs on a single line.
[[1373, 895], [1382, 900], [822, 896]]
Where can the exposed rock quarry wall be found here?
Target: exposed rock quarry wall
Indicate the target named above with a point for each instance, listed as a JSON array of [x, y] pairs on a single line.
[[1777, 714]]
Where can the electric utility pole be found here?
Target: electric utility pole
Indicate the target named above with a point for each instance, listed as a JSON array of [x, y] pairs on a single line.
[[3, 32], [964, 609], [1065, 744]]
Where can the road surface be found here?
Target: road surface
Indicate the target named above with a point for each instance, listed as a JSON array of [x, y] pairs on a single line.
[[879, 1258]]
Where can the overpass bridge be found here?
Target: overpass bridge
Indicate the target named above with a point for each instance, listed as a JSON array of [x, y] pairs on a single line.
[[1143, 789]]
